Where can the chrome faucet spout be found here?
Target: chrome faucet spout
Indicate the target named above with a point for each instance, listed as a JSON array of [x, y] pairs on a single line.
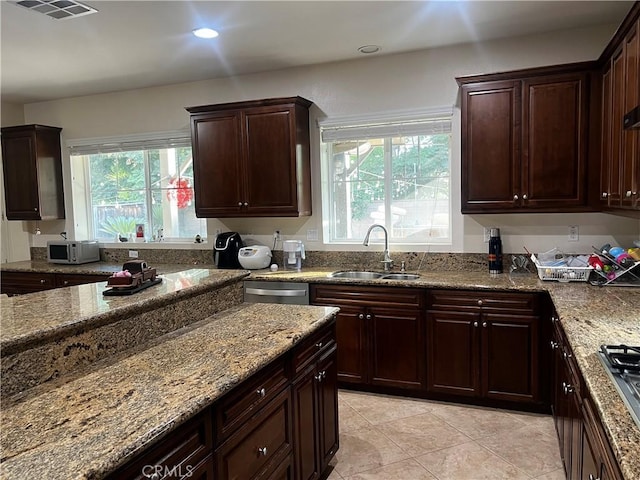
[[388, 263]]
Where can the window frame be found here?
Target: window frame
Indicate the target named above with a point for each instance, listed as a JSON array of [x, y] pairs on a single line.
[[383, 123]]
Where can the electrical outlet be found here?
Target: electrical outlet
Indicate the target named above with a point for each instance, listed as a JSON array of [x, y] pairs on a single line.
[[574, 233], [133, 253], [312, 235], [487, 234]]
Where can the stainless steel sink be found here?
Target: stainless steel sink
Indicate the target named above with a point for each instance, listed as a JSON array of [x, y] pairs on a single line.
[[400, 276], [357, 275], [365, 275]]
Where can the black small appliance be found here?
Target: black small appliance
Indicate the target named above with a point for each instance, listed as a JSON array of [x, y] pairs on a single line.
[[225, 250]]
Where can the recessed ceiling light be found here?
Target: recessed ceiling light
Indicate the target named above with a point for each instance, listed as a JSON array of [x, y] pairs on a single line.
[[369, 49], [205, 33]]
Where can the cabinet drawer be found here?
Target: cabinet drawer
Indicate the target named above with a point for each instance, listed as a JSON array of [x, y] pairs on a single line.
[[260, 444], [472, 300], [178, 455], [238, 405], [311, 348], [365, 296], [27, 282], [69, 279]]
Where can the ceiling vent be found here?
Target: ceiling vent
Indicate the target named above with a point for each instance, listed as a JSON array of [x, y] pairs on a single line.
[[58, 9]]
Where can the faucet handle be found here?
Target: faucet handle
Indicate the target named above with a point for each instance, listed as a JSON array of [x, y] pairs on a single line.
[[402, 267]]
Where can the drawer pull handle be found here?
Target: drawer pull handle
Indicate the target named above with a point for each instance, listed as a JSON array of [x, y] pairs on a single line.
[[261, 392], [262, 451], [319, 345]]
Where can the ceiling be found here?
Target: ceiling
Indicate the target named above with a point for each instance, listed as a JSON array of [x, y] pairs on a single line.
[[136, 44]]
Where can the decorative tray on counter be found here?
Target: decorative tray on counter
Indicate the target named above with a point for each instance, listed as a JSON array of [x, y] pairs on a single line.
[[138, 276]]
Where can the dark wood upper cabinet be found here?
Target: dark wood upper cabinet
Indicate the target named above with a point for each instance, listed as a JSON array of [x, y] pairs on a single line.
[[620, 93], [251, 159], [524, 140], [32, 165]]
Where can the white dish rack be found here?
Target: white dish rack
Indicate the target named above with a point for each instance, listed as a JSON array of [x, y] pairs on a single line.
[[562, 272]]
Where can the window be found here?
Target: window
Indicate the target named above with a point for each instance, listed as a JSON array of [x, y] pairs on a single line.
[[146, 182], [394, 173]]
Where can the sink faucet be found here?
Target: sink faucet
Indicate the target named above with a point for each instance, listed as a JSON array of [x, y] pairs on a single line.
[[388, 263]]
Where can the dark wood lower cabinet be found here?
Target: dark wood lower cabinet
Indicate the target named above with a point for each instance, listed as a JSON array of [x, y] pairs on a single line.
[[380, 335], [585, 451], [484, 344], [280, 424]]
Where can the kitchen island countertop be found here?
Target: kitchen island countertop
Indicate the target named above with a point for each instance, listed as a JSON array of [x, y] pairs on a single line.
[[87, 426]]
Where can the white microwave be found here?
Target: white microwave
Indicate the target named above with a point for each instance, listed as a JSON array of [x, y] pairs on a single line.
[[73, 251]]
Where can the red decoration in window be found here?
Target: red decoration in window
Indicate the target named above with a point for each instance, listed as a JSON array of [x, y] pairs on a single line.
[[180, 191]]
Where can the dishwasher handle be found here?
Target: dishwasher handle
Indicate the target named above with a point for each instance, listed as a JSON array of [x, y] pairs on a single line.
[[275, 293]]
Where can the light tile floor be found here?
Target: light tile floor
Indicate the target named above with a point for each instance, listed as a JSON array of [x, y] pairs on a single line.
[[395, 438]]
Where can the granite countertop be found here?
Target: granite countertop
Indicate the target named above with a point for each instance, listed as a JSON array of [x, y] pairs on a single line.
[[36, 318], [590, 316], [85, 427]]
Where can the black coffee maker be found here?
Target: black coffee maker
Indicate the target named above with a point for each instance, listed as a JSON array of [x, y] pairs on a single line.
[[225, 251]]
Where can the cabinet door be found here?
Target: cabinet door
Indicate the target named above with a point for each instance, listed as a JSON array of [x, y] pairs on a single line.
[[554, 150], [630, 153], [617, 113], [352, 345], [605, 151], [510, 357], [305, 410], [397, 338], [20, 177], [328, 408], [491, 146], [453, 353], [217, 164], [270, 180]]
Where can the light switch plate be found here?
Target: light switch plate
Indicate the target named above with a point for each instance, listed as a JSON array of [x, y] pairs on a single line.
[[133, 253]]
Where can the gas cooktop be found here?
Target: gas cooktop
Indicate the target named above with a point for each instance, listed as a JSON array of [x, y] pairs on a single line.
[[622, 364]]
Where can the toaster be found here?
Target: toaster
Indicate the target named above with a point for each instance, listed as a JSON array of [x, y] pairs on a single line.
[[254, 257]]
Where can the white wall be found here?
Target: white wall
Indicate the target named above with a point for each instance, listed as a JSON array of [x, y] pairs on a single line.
[[14, 241], [374, 84]]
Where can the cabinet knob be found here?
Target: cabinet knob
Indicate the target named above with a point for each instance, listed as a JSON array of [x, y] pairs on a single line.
[[554, 345], [591, 477], [42, 281], [320, 376], [515, 198], [479, 303], [153, 476], [475, 324], [566, 354], [66, 282], [262, 451], [605, 194], [368, 317], [239, 204], [524, 197], [628, 194], [261, 392], [361, 316], [568, 388], [246, 204], [319, 345], [484, 324], [35, 209]]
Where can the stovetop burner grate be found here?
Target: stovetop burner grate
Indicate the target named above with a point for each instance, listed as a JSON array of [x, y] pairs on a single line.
[[622, 357]]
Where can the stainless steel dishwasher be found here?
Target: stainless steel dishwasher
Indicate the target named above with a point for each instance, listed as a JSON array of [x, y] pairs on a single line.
[[291, 293]]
